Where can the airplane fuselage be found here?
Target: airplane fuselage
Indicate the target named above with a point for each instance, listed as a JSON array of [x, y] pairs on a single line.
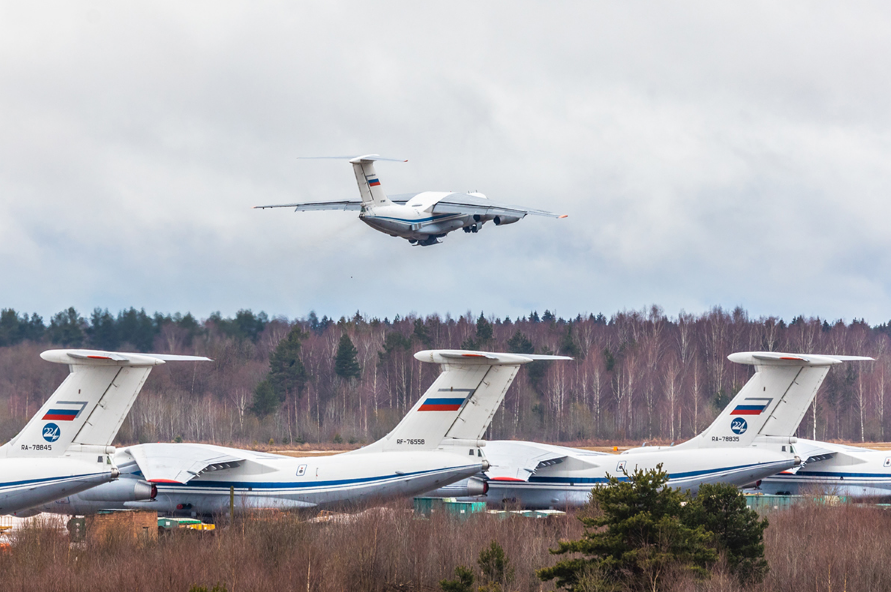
[[851, 471], [28, 482], [569, 483], [416, 222], [275, 481]]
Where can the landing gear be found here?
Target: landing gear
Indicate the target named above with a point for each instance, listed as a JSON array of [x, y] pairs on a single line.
[[474, 229]]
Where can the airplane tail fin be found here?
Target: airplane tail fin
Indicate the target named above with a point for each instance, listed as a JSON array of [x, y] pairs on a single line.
[[773, 402], [459, 405], [88, 408], [369, 183]]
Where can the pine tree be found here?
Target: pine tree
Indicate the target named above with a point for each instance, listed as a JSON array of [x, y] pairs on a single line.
[[67, 328], [287, 374], [638, 542], [738, 531], [346, 364]]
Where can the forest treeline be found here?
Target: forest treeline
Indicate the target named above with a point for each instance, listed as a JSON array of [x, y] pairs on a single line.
[[637, 375]]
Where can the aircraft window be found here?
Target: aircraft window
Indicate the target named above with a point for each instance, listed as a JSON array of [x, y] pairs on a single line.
[[784, 449]]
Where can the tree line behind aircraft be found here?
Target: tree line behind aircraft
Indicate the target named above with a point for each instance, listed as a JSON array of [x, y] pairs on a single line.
[[637, 375]]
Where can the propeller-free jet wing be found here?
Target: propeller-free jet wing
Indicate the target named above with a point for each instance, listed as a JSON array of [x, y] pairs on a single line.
[[437, 443], [66, 448], [750, 440], [422, 218]]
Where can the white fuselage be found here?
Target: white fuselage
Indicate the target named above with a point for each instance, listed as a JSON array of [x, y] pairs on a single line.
[[569, 482], [29, 482], [414, 220], [851, 471], [283, 482]]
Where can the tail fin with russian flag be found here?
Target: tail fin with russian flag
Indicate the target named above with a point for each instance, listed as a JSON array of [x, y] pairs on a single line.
[[369, 183], [773, 402], [459, 405], [88, 408]]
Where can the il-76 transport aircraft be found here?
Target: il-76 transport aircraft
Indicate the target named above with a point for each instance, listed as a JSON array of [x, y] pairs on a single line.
[[750, 440], [436, 443], [66, 448], [835, 469], [422, 218]]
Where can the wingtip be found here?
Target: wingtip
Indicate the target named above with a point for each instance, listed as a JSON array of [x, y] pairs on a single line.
[[563, 216]]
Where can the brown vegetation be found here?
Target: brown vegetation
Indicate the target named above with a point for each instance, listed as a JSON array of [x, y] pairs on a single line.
[[637, 376], [808, 548]]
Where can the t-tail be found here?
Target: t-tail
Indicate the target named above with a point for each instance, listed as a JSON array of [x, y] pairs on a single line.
[[458, 407], [86, 411], [773, 402], [370, 187]]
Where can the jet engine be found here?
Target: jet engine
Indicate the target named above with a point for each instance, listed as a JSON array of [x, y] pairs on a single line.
[[122, 490], [500, 220], [468, 488]]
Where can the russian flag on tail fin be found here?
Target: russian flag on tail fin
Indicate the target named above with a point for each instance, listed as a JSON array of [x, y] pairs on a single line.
[[751, 406], [441, 404]]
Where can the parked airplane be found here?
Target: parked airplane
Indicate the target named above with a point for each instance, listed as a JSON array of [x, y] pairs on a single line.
[[437, 443], [66, 448], [749, 441], [422, 218], [835, 469]]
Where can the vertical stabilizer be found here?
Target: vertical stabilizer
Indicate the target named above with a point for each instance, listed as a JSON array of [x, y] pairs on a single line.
[[89, 407], [772, 402], [369, 183], [459, 405]]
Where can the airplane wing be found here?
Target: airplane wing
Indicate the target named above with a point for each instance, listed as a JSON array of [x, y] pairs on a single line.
[[347, 204], [463, 203], [179, 463]]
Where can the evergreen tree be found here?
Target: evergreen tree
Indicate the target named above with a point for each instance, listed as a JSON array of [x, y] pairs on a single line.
[[10, 327], [103, 330], [738, 531], [67, 328], [463, 581], [638, 542], [422, 334], [346, 364], [484, 331], [265, 399], [287, 374], [495, 567], [568, 344], [520, 344], [136, 328]]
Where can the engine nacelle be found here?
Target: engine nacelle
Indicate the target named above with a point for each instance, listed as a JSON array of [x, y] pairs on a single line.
[[471, 487], [501, 220], [122, 490]]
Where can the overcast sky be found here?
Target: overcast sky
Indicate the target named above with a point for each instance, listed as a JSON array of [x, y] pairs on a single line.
[[708, 154]]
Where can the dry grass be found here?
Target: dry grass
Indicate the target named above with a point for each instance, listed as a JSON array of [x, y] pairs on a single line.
[[808, 547]]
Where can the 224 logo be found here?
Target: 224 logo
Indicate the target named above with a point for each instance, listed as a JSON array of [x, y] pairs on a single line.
[[51, 432], [739, 426]]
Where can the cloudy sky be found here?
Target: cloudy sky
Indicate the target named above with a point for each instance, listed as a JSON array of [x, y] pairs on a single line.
[[708, 154]]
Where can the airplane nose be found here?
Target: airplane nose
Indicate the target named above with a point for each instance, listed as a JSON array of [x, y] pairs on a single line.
[[486, 465], [115, 473], [797, 461]]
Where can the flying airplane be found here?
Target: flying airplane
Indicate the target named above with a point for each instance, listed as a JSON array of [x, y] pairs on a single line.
[[66, 448], [834, 469], [422, 218], [437, 443], [749, 441]]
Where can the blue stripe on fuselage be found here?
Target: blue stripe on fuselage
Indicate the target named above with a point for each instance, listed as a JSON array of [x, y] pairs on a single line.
[[303, 484]]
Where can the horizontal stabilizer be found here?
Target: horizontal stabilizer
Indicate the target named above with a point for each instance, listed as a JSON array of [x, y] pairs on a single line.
[[355, 159]]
